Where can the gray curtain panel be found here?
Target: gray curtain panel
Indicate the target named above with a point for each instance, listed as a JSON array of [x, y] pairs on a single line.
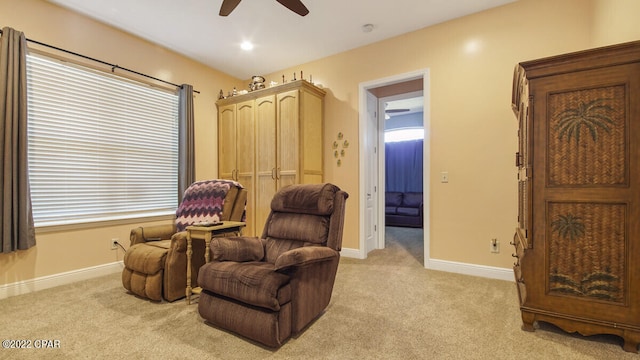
[[186, 157], [17, 219]]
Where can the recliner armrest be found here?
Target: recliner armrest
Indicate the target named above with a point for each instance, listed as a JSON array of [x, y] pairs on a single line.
[[151, 233], [238, 248], [304, 255], [179, 242]]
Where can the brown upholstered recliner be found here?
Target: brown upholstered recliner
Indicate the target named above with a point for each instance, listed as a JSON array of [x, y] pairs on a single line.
[[156, 261], [271, 288]]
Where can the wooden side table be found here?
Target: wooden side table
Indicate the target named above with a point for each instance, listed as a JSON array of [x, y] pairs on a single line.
[[206, 233]]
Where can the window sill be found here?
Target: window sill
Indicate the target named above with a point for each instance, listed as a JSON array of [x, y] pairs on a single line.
[[93, 224]]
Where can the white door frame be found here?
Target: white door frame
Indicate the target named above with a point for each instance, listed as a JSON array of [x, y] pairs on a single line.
[[364, 153], [371, 186], [382, 155]]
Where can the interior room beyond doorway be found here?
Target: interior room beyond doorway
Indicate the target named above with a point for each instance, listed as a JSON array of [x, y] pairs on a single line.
[[377, 97]]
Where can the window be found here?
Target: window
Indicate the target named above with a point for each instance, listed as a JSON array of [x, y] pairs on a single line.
[[404, 134], [101, 147]]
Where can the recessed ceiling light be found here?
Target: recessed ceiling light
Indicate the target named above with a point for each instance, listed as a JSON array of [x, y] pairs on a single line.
[[367, 28], [246, 46]]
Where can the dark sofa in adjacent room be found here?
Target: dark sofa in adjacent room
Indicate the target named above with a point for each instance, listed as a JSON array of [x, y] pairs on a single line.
[[404, 209]]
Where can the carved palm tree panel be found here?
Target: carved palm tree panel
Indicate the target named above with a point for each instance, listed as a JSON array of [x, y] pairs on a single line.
[[586, 250], [587, 137]]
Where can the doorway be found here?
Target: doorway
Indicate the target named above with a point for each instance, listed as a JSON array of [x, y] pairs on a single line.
[[372, 180]]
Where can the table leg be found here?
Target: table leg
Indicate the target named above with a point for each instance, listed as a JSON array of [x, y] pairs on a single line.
[[189, 253], [207, 242]]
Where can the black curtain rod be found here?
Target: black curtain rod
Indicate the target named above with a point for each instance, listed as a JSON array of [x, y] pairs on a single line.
[[113, 66]]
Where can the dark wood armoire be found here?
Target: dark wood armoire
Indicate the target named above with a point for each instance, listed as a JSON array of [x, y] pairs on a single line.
[[578, 236]]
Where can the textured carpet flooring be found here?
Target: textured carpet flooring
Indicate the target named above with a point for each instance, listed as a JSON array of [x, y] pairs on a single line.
[[385, 307]]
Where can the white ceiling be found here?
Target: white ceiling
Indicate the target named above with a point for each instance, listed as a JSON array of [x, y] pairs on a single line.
[[282, 38], [411, 105]]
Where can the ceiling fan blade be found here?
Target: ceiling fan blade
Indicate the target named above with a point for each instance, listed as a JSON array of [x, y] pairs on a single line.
[[227, 7], [296, 6]]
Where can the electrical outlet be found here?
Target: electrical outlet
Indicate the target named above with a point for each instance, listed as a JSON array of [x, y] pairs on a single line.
[[114, 244], [494, 246]]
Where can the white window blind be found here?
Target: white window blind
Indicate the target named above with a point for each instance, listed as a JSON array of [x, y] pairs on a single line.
[[101, 147]]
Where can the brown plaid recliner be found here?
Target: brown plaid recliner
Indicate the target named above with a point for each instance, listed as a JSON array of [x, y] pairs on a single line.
[[270, 288]]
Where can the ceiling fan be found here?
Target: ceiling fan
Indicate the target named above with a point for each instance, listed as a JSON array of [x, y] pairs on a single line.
[[294, 5], [395, 111]]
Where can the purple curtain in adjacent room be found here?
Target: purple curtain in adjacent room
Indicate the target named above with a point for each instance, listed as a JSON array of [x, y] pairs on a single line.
[[403, 166]]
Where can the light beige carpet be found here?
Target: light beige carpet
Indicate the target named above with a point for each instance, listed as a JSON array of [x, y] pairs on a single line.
[[385, 307]]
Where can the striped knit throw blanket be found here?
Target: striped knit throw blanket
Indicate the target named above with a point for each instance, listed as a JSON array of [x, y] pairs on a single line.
[[203, 202]]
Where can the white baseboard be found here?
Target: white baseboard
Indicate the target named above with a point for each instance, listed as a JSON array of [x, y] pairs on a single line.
[[490, 272], [450, 266], [352, 253], [46, 282]]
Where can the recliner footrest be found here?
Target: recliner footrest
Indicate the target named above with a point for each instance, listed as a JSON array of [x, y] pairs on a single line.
[[144, 269], [270, 328], [147, 258]]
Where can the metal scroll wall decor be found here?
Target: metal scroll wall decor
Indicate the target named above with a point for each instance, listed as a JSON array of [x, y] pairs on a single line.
[[339, 148]]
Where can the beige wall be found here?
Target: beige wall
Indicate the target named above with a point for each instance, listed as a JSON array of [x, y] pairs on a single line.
[[615, 21], [473, 131], [72, 249]]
